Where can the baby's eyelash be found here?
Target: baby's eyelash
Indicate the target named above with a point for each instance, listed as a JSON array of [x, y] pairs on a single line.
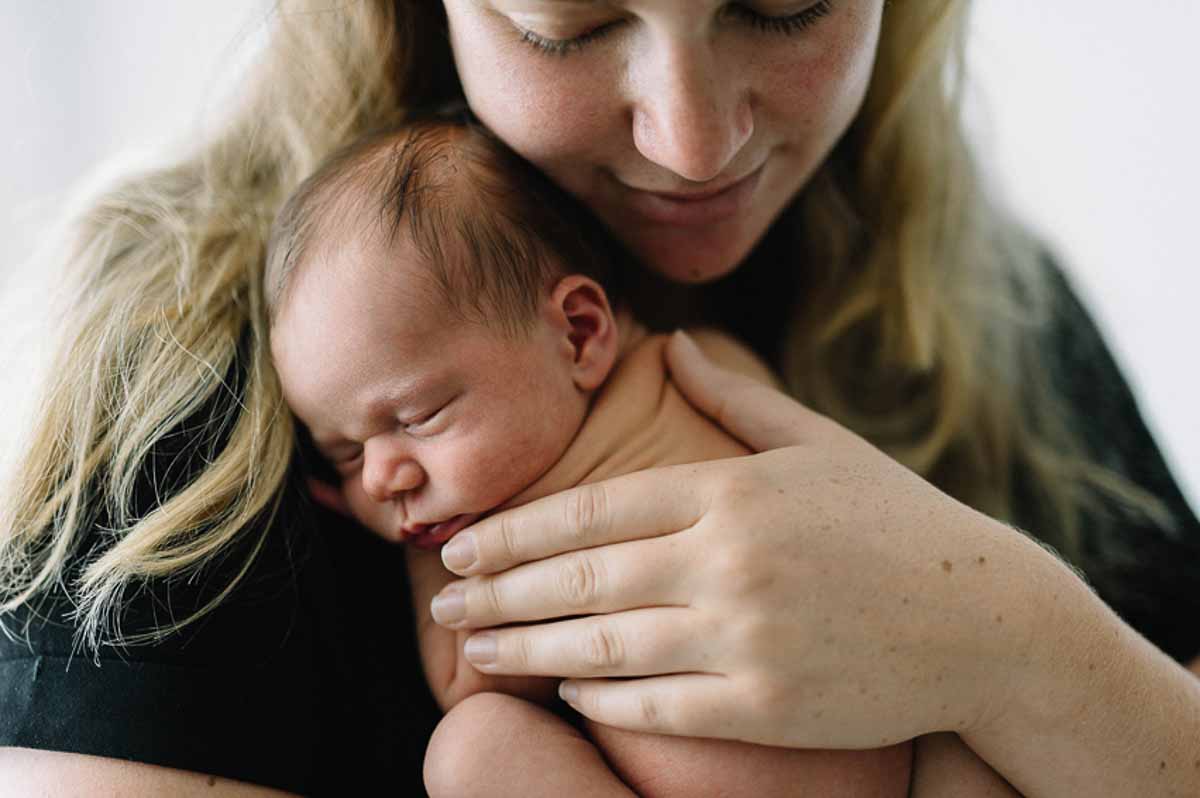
[[417, 423], [786, 25]]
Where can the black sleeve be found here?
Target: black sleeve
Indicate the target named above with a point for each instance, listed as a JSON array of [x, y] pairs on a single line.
[[306, 678], [1148, 570]]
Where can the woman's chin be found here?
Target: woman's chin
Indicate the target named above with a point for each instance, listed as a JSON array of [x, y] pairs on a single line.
[[690, 268], [692, 257]]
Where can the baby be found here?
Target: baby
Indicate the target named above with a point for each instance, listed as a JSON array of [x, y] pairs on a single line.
[[448, 326]]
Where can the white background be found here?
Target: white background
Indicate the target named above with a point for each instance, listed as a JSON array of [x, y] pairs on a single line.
[[1088, 112]]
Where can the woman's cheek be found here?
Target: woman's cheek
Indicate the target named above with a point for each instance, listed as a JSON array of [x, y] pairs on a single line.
[[545, 108], [558, 124]]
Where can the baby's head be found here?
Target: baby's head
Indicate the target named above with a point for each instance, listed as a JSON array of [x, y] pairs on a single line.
[[438, 323]]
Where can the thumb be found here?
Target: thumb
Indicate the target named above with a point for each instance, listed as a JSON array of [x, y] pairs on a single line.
[[758, 415]]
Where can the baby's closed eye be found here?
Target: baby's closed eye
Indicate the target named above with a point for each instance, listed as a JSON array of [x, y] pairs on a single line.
[[430, 422]]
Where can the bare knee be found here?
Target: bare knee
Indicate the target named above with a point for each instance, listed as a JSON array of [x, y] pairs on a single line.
[[488, 740]]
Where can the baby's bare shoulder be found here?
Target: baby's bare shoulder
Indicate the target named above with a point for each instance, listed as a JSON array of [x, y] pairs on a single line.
[[733, 354]]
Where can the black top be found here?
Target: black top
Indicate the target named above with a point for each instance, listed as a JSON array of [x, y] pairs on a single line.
[[308, 679]]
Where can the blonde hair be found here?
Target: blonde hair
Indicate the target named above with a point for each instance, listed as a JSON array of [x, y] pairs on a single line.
[[921, 277]]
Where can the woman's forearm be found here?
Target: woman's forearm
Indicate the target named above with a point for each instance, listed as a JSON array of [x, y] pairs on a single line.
[[1097, 709]]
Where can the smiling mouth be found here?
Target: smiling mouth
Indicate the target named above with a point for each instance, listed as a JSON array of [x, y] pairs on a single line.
[[695, 209], [430, 536]]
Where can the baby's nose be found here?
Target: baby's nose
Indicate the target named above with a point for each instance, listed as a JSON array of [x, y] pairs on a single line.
[[387, 477]]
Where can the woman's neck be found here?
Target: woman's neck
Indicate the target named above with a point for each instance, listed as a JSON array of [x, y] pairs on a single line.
[[630, 332]]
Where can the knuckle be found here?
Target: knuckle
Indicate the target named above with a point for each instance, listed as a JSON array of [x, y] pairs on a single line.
[[520, 653], [587, 511], [493, 600], [603, 648], [650, 712], [737, 575], [764, 695], [737, 487], [508, 541], [579, 581]]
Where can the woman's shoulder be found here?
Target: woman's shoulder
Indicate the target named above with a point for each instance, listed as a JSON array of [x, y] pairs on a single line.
[[1147, 566], [303, 672]]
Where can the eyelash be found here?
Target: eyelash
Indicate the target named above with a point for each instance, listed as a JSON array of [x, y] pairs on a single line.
[[788, 26], [346, 462], [408, 425]]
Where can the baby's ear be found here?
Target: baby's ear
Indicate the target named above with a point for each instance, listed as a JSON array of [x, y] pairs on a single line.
[[579, 310]]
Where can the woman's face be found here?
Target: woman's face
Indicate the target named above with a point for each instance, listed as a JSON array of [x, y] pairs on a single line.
[[687, 125]]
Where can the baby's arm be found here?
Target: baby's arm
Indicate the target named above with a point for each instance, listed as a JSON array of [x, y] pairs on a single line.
[[659, 766], [944, 767], [491, 743], [496, 745]]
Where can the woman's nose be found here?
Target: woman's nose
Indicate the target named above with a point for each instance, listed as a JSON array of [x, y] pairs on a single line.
[[387, 472], [687, 116]]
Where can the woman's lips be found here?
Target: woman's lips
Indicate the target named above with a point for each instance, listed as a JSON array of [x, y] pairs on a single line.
[[703, 209], [430, 536]]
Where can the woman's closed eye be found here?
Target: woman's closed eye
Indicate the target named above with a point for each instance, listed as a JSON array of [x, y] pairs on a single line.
[[787, 24]]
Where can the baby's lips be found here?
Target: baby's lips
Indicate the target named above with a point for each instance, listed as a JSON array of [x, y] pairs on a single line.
[[434, 535], [416, 534], [425, 542]]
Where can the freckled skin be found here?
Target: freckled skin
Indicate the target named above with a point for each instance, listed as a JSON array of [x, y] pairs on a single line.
[[679, 94]]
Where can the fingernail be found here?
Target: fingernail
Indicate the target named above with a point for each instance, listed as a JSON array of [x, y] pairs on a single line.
[[568, 692], [459, 553], [449, 606], [480, 649]]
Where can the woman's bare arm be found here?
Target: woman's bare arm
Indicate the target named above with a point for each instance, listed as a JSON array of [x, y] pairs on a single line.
[[26, 772]]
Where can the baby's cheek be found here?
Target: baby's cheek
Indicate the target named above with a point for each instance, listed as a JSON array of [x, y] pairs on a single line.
[[490, 475]]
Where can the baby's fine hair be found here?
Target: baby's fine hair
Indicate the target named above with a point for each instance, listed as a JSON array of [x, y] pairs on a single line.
[[491, 230]]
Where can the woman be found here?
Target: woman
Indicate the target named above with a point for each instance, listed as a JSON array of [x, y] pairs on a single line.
[[840, 601]]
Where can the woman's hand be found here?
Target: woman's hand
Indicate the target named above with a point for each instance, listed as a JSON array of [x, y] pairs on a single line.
[[815, 595], [450, 677]]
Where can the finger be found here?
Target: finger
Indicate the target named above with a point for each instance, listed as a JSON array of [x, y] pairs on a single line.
[[756, 414], [687, 704], [598, 580], [638, 642], [639, 505]]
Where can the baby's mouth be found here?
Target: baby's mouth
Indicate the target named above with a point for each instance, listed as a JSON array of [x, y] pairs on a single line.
[[430, 536]]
